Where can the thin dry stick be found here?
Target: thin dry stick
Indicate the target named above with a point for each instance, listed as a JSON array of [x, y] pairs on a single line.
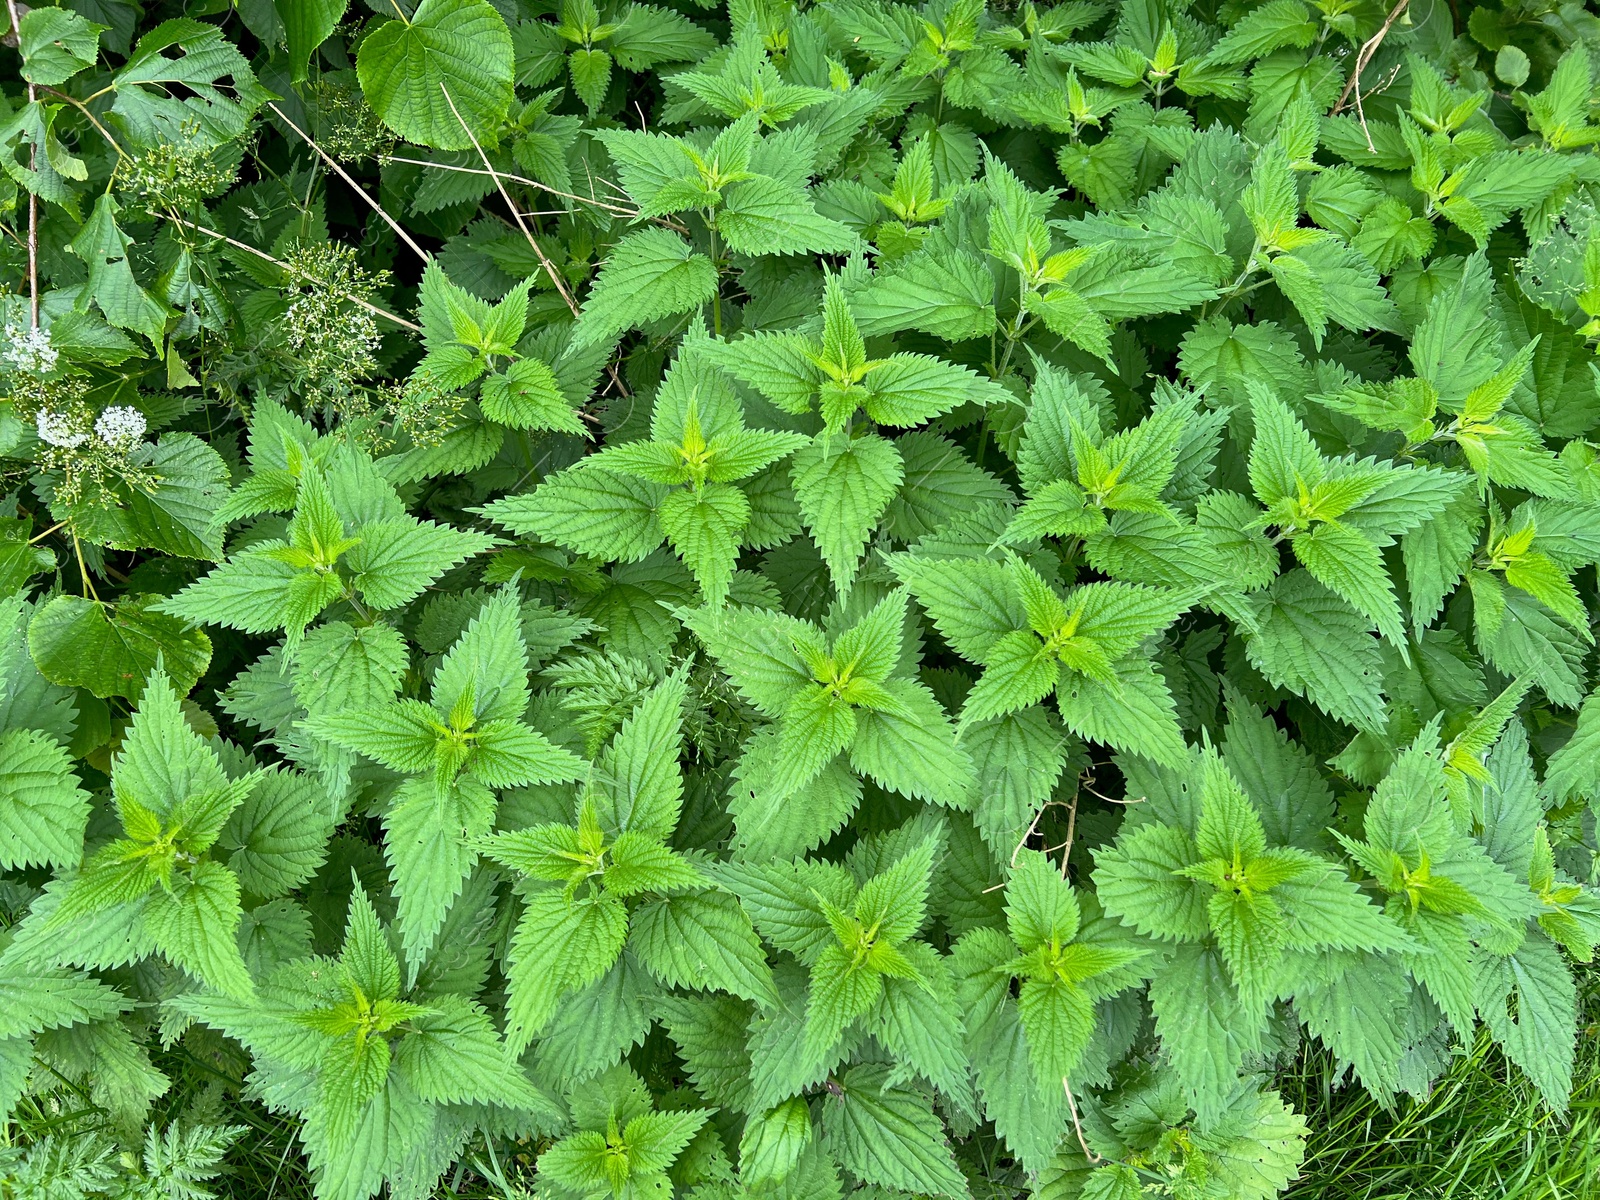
[[1087, 784], [549, 267], [262, 254], [33, 200], [544, 262], [619, 209], [1033, 827], [1363, 57], [1077, 1127], [93, 120], [356, 187], [1072, 824]]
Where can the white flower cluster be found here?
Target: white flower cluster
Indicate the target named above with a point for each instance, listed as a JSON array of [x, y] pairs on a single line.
[[120, 427], [28, 350], [59, 429]]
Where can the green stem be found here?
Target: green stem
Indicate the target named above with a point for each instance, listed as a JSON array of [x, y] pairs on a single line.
[[360, 609], [1236, 288], [716, 296], [1018, 329]]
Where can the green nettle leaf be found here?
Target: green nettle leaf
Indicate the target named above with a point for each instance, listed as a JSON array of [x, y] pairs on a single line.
[[836, 702], [1219, 886], [612, 852], [103, 247], [1032, 641], [700, 448], [842, 488], [111, 649], [649, 275], [888, 1134], [773, 1142], [337, 546], [766, 601], [622, 1148], [703, 940], [1060, 978], [43, 808], [172, 799], [901, 390], [443, 77], [305, 27]]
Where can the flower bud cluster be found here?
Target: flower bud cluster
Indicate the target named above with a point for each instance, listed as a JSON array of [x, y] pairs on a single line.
[[177, 174], [28, 350], [331, 338]]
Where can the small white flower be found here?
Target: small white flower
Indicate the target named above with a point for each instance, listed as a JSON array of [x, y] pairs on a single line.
[[120, 427], [57, 429], [29, 350]]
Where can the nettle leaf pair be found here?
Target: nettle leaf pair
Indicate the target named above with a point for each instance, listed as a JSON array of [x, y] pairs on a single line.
[[1076, 477], [1076, 292], [605, 877], [1020, 238], [1062, 965], [1469, 874], [1151, 51], [348, 538], [471, 341], [1087, 646], [156, 887], [453, 750], [843, 706], [361, 1058], [622, 1147], [1467, 374], [742, 80], [1252, 1153], [1540, 563], [749, 193], [700, 481], [750, 188], [588, 42], [1317, 271], [845, 477], [1134, 502], [1339, 515], [1460, 161], [914, 198], [1249, 919], [855, 928]]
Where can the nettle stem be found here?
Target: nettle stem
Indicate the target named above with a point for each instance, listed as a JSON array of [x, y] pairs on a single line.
[[33, 200]]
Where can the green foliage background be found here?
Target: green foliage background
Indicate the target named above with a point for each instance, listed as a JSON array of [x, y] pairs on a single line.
[[783, 600]]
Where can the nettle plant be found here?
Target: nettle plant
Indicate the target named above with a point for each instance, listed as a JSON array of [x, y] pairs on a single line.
[[787, 599]]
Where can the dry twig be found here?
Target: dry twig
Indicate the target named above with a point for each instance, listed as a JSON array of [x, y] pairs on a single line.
[[262, 254], [356, 187], [1363, 57], [619, 209], [33, 200], [1077, 1126], [533, 242], [544, 261]]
